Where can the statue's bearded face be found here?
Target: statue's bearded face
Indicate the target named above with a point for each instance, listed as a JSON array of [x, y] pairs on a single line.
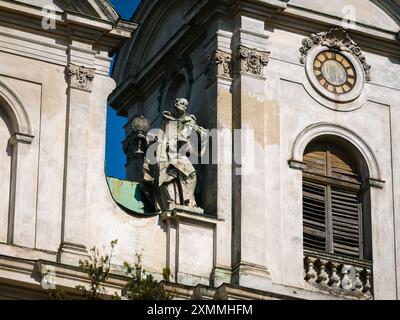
[[181, 104]]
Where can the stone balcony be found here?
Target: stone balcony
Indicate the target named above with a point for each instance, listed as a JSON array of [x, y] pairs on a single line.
[[345, 276]]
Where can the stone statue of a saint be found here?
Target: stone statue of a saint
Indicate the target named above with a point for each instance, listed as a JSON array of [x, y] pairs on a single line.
[[172, 180]]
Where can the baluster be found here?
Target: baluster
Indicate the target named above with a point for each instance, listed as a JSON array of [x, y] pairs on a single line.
[[311, 275], [367, 286], [338, 275], [334, 281], [359, 284], [323, 277], [346, 281]]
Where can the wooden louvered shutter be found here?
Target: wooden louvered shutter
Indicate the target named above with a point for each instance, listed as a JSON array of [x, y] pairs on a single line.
[[314, 211], [346, 222], [332, 211]]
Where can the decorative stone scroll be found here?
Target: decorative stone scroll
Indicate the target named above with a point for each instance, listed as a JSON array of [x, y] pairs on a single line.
[[251, 61], [337, 39], [134, 145], [80, 77], [219, 65]]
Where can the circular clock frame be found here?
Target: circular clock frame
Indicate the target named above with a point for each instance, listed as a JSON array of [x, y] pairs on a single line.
[[335, 72], [336, 75]]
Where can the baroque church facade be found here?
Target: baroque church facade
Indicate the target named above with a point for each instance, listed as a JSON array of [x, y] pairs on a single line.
[[305, 205]]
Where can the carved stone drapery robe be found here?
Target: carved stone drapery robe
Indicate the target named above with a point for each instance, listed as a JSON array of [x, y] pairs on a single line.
[[172, 180]]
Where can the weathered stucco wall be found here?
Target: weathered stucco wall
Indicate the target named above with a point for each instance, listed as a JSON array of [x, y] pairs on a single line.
[[252, 233], [262, 211]]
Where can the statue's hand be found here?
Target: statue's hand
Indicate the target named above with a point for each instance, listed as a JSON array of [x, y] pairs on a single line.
[[151, 138]]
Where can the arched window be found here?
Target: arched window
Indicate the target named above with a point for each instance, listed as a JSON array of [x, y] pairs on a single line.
[[336, 217], [15, 140]]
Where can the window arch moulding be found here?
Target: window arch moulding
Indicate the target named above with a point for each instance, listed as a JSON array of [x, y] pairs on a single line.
[[327, 129], [21, 126]]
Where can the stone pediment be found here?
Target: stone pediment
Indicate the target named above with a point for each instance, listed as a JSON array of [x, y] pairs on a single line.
[[100, 9]]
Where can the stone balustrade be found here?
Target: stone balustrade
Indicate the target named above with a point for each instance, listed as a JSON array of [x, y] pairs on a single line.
[[333, 271]]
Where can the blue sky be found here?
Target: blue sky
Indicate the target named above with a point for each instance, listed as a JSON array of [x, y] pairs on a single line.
[[115, 157]]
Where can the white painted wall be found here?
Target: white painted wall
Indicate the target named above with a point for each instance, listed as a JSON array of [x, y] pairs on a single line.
[[278, 107]]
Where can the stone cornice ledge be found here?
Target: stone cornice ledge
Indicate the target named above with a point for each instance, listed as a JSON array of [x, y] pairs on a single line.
[[33, 274], [315, 17], [191, 215], [375, 183], [120, 29], [21, 138], [297, 165], [77, 18], [262, 9], [282, 4]]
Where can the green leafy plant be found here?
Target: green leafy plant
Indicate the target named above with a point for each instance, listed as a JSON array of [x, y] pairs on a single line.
[[142, 285], [98, 269], [56, 294]]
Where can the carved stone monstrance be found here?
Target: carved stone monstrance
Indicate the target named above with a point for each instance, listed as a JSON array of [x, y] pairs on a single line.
[[134, 145]]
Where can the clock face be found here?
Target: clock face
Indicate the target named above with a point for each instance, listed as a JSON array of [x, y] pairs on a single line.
[[334, 72]]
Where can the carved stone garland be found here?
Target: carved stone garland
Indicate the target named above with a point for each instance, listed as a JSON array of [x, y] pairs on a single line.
[[80, 77], [338, 39]]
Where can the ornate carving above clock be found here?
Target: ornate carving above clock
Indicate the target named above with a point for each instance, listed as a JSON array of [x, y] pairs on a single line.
[[335, 65], [335, 39]]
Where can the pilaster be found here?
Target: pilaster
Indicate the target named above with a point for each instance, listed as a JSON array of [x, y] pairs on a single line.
[[250, 182], [80, 75], [218, 198]]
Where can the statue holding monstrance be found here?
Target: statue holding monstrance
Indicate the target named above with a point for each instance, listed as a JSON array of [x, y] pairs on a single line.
[[169, 175]]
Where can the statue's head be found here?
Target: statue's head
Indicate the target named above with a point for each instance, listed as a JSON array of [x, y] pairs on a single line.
[[181, 104]]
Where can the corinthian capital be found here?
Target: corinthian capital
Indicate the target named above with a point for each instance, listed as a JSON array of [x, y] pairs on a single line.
[[220, 65], [80, 77], [251, 61]]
